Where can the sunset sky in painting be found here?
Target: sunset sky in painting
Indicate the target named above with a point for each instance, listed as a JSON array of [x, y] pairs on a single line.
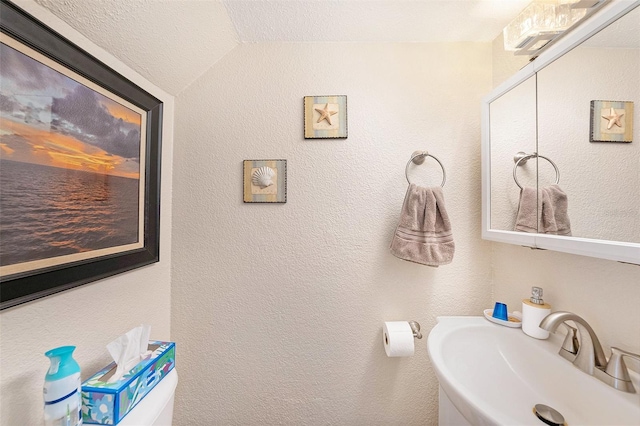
[[49, 119]]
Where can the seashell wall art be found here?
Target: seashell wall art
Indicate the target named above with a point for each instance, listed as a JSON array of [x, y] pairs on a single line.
[[265, 181], [262, 177]]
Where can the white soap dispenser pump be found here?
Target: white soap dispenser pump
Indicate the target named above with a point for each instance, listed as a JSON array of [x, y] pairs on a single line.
[[533, 311]]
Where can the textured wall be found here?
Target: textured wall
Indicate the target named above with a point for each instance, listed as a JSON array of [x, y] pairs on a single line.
[[92, 315], [504, 63], [278, 309]]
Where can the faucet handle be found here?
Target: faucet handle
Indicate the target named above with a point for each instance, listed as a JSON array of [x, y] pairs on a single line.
[[571, 344], [617, 369]]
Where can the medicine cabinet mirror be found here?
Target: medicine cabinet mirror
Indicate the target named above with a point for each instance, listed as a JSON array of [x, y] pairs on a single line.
[[555, 110]]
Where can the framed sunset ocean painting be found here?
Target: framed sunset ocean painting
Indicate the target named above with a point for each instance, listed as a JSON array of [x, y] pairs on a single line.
[[79, 165]]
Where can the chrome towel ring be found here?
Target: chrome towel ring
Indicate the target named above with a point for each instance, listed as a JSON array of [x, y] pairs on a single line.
[[522, 157], [418, 158]]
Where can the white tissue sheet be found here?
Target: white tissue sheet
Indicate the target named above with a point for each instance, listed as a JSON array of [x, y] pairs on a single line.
[[129, 349]]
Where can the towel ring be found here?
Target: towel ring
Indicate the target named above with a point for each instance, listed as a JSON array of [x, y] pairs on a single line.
[[522, 157], [418, 158]]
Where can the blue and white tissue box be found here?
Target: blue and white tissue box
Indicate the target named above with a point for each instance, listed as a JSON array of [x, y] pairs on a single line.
[[107, 403]]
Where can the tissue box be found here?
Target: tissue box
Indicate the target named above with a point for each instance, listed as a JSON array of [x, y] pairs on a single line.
[[107, 403]]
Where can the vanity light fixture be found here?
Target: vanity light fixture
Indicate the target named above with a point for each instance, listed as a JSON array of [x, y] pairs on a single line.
[[543, 21]]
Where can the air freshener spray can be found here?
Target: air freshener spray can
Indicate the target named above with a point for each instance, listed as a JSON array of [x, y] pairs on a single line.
[[62, 389]]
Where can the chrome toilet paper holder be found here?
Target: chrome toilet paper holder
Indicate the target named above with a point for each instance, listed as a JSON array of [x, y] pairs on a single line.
[[415, 328]]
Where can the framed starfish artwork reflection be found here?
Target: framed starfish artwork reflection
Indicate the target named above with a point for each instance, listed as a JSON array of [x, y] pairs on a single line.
[[325, 117], [611, 121]]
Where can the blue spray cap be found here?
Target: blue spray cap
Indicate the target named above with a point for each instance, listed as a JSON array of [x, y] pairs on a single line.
[[62, 363]]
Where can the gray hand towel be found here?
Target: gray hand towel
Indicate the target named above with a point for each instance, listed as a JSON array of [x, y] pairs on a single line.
[[554, 218], [527, 216], [424, 233], [551, 202]]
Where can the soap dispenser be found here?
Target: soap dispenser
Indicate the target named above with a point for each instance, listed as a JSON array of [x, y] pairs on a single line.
[[533, 312]]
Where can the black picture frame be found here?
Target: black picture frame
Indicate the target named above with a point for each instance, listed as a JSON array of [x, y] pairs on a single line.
[[26, 286]]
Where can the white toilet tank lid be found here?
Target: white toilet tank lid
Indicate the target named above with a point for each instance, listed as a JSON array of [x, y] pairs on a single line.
[[147, 410]]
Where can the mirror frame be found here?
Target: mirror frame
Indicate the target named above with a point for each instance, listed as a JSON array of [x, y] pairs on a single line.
[[626, 252]]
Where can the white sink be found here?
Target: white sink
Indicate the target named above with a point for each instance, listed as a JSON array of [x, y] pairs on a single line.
[[495, 375]]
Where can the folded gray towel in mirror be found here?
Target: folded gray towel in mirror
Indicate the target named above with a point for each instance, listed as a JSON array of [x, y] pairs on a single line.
[[551, 203]]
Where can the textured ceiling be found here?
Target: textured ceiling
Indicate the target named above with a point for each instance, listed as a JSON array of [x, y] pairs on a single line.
[[371, 20], [173, 42], [169, 42], [622, 33]]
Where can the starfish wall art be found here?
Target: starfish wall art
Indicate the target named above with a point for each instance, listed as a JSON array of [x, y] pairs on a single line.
[[325, 117], [611, 121]]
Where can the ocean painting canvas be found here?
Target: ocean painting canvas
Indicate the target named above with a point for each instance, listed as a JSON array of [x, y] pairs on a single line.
[[72, 165]]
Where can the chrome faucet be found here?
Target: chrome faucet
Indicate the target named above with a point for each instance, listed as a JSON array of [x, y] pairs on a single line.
[[571, 344], [589, 356]]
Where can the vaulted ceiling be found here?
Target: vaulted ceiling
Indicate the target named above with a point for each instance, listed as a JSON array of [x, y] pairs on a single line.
[[173, 42], [371, 20]]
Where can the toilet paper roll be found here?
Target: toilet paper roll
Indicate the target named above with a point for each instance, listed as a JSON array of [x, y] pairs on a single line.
[[397, 338]]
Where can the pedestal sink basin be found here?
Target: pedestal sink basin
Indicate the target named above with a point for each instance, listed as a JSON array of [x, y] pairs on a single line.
[[495, 375]]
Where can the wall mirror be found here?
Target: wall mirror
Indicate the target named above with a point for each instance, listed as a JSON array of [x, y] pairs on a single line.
[[573, 110]]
